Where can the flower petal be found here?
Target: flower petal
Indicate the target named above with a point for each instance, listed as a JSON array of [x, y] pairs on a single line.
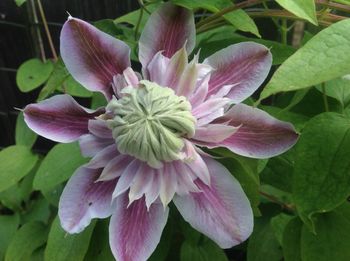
[[92, 56], [168, 29], [59, 118], [221, 211], [134, 231], [99, 128], [84, 199], [101, 159], [90, 144], [243, 65], [214, 132], [259, 135]]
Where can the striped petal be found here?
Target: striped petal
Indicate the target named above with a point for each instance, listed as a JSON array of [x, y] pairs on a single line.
[[259, 135], [59, 118], [221, 211], [243, 67], [84, 199], [92, 56], [168, 29], [135, 231]]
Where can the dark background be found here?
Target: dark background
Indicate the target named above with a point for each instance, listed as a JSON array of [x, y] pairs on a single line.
[[18, 43]]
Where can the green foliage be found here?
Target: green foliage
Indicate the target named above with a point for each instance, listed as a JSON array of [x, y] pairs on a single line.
[[8, 227], [24, 136], [301, 8], [65, 247], [32, 74], [326, 56], [321, 179], [15, 162]]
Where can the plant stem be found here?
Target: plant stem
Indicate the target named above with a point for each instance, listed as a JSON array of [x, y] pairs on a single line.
[[325, 99], [284, 31], [272, 198], [47, 31], [336, 6]]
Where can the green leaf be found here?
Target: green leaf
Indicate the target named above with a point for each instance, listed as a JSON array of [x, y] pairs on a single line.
[[321, 178], [59, 164], [15, 162], [263, 244], [33, 73], [326, 56], [98, 100], [56, 79], [338, 89], [291, 240], [20, 2], [238, 18], [207, 250], [8, 227], [99, 249], [28, 238], [37, 210], [24, 136], [74, 88], [278, 224], [302, 8], [331, 241], [67, 247]]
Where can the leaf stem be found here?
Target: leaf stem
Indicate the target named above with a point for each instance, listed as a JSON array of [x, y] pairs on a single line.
[[272, 198], [284, 31]]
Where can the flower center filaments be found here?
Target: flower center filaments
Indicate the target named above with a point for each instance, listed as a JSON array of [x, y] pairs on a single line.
[[149, 121]]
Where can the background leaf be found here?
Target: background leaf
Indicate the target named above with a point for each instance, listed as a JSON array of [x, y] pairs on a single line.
[[321, 178], [33, 73], [326, 56], [67, 247], [291, 241], [23, 135], [8, 227], [15, 162], [302, 8]]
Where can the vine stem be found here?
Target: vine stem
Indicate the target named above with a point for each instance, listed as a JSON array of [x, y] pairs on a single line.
[[325, 99], [47, 31]]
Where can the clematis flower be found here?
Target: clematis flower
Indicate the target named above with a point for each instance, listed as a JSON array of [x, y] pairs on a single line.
[[146, 143]]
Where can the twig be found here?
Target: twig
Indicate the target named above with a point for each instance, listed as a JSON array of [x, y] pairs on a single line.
[[47, 31], [325, 99], [272, 198]]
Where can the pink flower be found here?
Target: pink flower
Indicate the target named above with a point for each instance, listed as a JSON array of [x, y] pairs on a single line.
[[145, 145]]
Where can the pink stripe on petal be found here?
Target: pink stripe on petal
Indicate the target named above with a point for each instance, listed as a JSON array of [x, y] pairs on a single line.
[[245, 65], [90, 144], [59, 118], [221, 211], [260, 135], [92, 56], [168, 29], [84, 199], [134, 231]]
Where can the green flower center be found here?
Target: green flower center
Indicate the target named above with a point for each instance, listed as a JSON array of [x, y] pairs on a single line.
[[150, 121]]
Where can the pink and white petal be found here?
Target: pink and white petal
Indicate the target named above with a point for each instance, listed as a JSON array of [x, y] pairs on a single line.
[[118, 84], [213, 133], [84, 199], [115, 167], [135, 231], [185, 179], [259, 135], [245, 65], [168, 29], [131, 77], [200, 93], [221, 211], [141, 182], [99, 128], [59, 118], [92, 56], [195, 163], [102, 158], [127, 177], [210, 106], [157, 67], [152, 193], [90, 144], [168, 183]]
